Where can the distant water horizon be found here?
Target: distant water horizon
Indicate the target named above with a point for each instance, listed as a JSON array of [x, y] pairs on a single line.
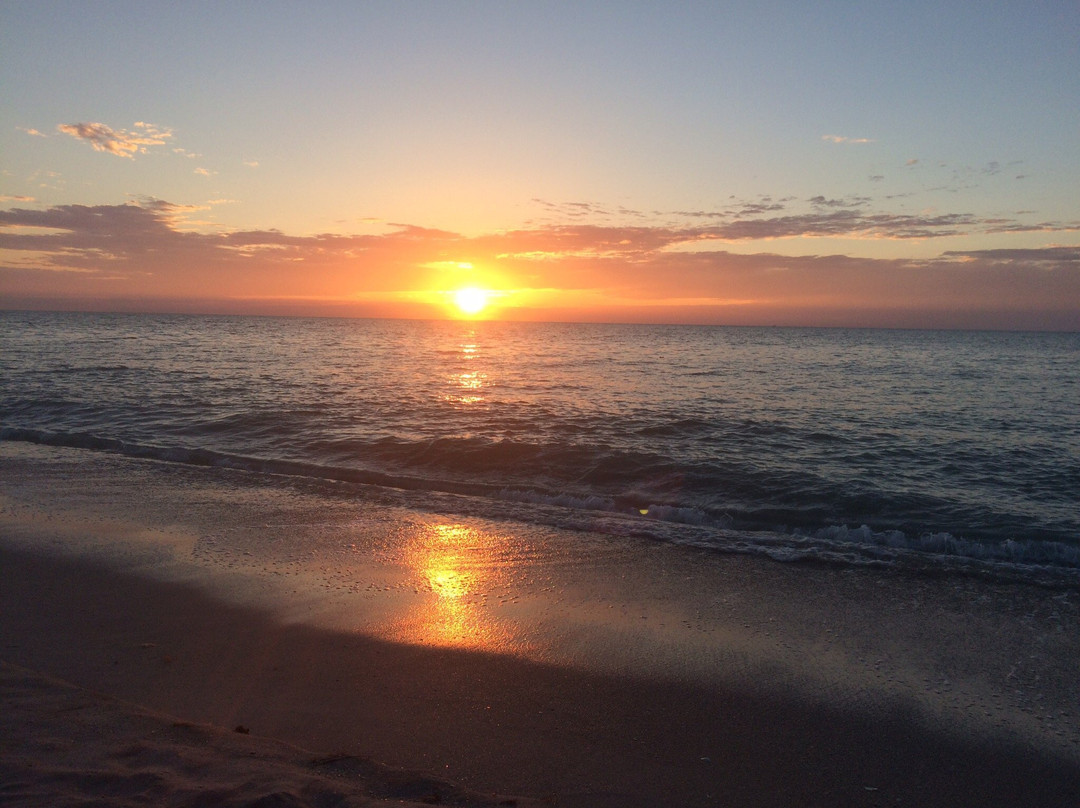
[[850, 445], [875, 320]]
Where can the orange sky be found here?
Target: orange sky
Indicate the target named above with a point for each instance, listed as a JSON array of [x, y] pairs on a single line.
[[751, 164], [144, 257]]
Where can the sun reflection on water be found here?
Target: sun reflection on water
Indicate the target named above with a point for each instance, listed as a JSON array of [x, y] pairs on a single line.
[[467, 385], [457, 568]]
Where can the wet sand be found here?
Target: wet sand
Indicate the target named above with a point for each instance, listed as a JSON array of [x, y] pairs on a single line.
[[653, 676]]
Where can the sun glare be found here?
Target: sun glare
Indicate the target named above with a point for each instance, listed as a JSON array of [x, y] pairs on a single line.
[[471, 300]]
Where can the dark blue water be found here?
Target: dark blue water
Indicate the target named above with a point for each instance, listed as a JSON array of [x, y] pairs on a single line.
[[799, 441]]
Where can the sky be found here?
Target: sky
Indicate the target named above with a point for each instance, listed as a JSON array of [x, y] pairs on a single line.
[[861, 164]]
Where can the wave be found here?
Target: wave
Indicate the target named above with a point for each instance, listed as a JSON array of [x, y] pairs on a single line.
[[1008, 550], [210, 457], [826, 542], [1045, 562]]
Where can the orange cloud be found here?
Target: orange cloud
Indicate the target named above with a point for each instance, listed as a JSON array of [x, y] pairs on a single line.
[[118, 141], [147, 252], [843, 139]]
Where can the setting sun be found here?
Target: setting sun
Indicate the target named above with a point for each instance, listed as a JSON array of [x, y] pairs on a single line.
[[471, 300]]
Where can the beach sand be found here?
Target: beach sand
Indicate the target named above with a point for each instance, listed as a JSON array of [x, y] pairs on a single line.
[[64, 746], [147, 610]]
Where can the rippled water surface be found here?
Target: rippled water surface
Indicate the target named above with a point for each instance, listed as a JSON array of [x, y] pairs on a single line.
[[959, 442]]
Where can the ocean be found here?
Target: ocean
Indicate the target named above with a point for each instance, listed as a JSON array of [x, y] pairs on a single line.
[[935, 450]]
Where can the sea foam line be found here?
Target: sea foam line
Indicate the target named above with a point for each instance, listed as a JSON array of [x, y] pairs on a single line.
[[859, 546]]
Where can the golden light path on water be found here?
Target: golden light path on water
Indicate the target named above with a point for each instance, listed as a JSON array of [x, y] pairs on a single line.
[[466, 575], [467, 386], [457, 569]]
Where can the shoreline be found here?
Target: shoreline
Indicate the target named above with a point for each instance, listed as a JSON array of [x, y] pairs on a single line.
[[757, 710]]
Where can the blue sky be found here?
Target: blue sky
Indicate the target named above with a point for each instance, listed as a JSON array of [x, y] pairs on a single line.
[[923, 129]]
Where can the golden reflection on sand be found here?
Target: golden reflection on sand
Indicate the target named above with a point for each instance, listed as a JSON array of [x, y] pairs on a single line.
[[456, 568]]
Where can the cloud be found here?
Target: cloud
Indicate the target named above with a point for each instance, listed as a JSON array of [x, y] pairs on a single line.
[[1007, 226], [120, 142], [251, 163], [148, 250], [150, 238], [592, 211], [764, 204], [33, 132], [44, 178], [5, 198], [845, 217], [845, 223], [1057, 256], [205, 172], [844, 139], [130, 227], [822, 202]]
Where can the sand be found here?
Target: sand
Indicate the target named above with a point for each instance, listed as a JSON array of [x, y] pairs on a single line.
[[66, 746], [131, 655]]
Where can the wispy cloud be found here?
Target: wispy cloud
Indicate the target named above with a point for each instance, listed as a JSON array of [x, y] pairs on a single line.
[[120, 142], [845, 139], [43, 178], [205, 172], [828, 218], [1046, 256], [767, 218], [33, 132], [846, 223], [592, 211], [823, 202], [1006, 226], [738, 209]]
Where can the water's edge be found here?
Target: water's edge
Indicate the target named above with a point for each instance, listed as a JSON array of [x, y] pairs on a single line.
[[1046, 564]]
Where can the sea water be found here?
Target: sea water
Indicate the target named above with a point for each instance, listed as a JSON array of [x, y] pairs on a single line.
[[936, 448]]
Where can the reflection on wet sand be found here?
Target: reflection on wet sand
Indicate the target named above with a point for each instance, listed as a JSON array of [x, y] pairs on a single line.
[[456, 569]]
